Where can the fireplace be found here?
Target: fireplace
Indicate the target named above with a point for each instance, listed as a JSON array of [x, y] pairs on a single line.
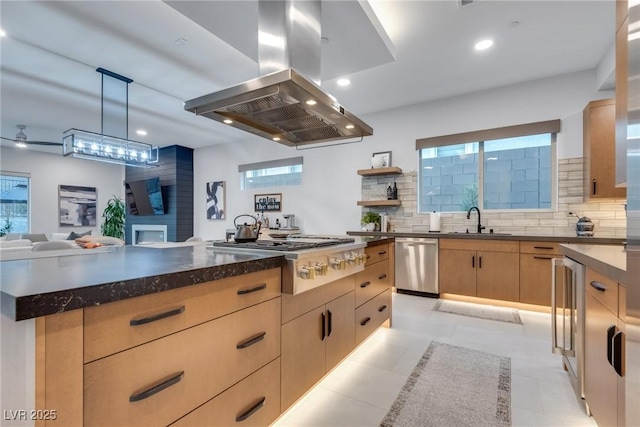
[[143, 234]]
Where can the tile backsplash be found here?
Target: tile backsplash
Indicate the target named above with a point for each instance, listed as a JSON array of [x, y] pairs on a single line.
[[608, 216]]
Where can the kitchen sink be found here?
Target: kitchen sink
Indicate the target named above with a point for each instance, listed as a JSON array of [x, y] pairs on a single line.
[[480, 234]]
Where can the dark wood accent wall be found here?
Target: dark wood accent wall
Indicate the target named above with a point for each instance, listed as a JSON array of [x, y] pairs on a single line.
[[176, 178]]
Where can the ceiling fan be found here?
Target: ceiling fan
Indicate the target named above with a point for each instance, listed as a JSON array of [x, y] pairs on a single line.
[[22, 142]]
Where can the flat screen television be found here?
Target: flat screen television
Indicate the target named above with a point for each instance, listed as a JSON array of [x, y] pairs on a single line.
[[144, 197]]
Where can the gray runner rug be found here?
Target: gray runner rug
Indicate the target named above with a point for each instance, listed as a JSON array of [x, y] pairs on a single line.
[[490, 312], [454, 386]]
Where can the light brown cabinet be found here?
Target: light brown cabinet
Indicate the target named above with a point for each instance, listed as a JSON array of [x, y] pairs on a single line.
[[315, 341], [535, 271], [480, 268], [254, 401], [373, 290], [604, 350], [599, 118], [172, 352]]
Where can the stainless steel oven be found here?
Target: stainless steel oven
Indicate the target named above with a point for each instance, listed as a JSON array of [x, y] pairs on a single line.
[[567, 320]]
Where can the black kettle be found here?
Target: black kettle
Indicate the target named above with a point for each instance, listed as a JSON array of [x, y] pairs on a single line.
[[246, 232]]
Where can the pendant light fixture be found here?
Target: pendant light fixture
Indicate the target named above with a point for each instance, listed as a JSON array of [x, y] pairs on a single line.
[[112, 144]]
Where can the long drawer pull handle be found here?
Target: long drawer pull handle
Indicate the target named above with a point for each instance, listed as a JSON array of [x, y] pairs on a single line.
[[251, 410], [157, 388], [382, 277], [594, 187], [543, 247], [383, 308], [480, 261], [145, 320], [365, 321], [598, 286], [251, 341], [611, 331], [542, 257], [382, 252], [324, 326], [364, 284], [256, 289], [618, 351], [329, 322], [368, 256], [473, 261]]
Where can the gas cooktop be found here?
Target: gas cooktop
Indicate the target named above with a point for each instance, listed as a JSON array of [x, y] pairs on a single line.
[[294, 243]]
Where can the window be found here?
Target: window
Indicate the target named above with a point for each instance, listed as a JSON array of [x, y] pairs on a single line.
[[275, 173], [503, 169], [14, 203]]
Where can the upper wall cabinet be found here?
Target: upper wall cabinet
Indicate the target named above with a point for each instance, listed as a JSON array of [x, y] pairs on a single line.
[[622, 27], [599, 150]]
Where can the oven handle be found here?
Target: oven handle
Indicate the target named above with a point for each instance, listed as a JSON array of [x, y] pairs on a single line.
[[555, 348]]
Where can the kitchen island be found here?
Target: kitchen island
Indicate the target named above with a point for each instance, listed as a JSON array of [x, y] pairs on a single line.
[[161, 335], [72, 325]]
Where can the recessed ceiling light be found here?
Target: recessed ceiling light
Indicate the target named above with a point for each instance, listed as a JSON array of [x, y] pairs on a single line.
[[350, 126], [141, 132], [344, 82], [2, 33], [484, 44], [228, 121], [311, 102]]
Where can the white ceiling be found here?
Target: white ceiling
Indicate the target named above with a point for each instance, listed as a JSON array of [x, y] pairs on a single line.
[[415, 51]]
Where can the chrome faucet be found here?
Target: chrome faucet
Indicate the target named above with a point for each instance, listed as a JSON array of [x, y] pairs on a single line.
[[480, 226]]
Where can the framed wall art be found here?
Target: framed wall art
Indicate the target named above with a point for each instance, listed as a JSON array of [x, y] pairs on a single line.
[[268, 202], [77, 206], [381, 160], [216, 200]]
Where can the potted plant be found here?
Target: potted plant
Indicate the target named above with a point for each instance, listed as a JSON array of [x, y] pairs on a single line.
[[371, 220], [113, 215]]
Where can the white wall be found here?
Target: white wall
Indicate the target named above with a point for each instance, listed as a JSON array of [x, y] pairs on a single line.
[[48, 171], [326, 202]]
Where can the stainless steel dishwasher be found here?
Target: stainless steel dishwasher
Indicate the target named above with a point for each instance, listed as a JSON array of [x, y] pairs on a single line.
[[417, 266]]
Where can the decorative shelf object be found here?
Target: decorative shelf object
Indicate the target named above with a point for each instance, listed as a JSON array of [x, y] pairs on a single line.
[[379, 203], [393, 170]]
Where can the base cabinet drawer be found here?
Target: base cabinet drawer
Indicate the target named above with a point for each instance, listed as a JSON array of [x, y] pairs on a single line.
[[120, 325], [254, 401], [158, 382], [372, 314], [376, 253], [370, 282]]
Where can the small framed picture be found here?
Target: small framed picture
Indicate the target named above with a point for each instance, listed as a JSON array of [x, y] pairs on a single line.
[[77, 206], [381, 160], [268, 202], [215, 200]]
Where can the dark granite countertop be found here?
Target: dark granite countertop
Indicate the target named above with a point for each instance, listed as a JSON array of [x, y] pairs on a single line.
[[42, 286], [560, 239]]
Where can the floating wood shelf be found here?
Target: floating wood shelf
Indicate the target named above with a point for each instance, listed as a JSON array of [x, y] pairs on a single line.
[[379, 203], [394, 170]]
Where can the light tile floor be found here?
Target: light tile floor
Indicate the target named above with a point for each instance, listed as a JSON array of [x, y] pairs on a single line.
[[360, 390]]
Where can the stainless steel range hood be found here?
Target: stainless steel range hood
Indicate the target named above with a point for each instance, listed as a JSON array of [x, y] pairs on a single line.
[[284, 106]]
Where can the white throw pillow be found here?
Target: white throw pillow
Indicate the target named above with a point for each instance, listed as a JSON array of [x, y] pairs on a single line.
[[15, 243]]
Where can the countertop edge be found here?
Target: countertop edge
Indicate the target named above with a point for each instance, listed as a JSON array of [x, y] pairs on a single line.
[[43, 304], [606, 269], [488, 236]]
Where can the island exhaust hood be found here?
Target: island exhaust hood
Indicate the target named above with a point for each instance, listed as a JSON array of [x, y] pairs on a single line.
[[284, 104]]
